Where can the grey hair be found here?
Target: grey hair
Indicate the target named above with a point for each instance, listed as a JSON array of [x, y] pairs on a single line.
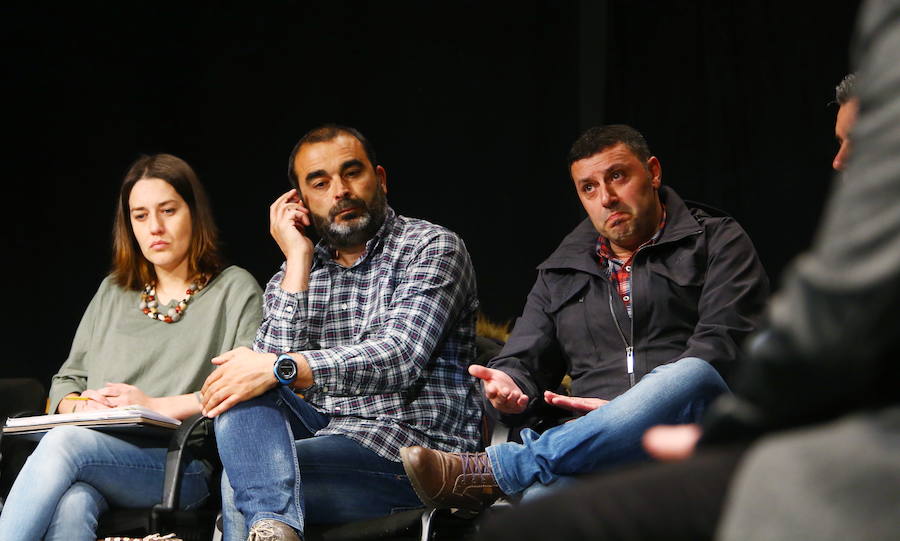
[[846, 89]]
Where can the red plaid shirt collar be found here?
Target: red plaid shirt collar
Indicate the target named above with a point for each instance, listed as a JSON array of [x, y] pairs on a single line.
[[620, 271]]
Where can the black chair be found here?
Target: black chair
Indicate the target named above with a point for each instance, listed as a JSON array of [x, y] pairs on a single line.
[[18, 396], [193, 439], [26, 397]]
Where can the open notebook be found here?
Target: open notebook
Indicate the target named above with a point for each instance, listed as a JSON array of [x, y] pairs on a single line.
[[124, 417]]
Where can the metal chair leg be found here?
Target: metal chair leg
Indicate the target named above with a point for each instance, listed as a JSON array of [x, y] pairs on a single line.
[[427, 516]]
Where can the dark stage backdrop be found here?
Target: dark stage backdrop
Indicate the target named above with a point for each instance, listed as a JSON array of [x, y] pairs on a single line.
[[472, 107]]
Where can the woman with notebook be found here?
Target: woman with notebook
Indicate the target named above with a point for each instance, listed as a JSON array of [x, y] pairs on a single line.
[[168, 306]]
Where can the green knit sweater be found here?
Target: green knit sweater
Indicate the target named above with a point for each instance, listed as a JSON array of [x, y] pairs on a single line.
[[115, 342]]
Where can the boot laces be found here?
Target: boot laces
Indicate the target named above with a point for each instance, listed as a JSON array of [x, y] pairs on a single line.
[[263, 530], [476, 469]]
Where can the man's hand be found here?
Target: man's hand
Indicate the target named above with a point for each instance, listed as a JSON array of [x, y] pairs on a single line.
[[122, 394], [242, 374], [576, 404], [671, 443], [288, 220], [500, 389]]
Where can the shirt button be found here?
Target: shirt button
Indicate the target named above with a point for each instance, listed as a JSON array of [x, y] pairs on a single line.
[[288, 308], [626, 298], [344, 306], [287, 350], [627, 268]]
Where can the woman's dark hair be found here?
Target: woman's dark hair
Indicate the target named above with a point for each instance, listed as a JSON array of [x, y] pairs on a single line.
[[130, 269]]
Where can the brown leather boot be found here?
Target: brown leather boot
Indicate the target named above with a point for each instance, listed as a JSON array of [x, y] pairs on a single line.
[[272, 530], [445, 480]]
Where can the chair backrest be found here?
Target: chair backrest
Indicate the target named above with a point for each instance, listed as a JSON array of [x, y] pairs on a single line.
[[21, 394], [17, 395]]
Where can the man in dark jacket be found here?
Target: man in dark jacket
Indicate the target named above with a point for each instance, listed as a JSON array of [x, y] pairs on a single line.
[[819, 389], [648, 315]]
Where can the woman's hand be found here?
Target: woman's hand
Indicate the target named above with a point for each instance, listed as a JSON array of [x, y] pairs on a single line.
[[97, 402], [122, 394]]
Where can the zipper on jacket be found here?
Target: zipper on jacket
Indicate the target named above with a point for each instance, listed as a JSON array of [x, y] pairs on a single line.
[[630, 357], [629, 361], [629, 349]]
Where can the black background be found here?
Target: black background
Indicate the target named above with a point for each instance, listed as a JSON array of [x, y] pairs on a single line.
[[471, 106]]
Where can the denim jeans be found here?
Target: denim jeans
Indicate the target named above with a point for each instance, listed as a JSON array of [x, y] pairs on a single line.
[[276, 468], [673, 393], [77, 473]]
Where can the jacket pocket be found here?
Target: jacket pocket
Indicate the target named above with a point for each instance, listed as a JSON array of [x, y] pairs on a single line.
[[566, 288]]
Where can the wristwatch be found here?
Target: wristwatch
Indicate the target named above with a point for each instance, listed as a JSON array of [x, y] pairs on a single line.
[[285, 369]]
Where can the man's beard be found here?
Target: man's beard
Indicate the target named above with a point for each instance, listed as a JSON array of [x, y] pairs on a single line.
[[341, 235]]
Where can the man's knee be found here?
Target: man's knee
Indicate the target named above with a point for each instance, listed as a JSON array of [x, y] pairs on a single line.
[[698, 372], [693, 365], [242, 410]]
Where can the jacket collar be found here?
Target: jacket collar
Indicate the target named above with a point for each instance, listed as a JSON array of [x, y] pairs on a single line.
[[577, 250]]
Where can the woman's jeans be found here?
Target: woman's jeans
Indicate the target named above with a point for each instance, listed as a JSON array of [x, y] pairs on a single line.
[[76, 473], [276, 468], [674, 393]]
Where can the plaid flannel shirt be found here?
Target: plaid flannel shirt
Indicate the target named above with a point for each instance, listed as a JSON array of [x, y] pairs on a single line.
[[388, 339], [620, 271]]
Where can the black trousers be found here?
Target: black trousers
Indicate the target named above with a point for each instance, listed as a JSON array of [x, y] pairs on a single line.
[[670, 501]]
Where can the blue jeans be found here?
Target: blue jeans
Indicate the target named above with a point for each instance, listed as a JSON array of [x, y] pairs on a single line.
[[673, 393], [276, 468], [77, 473]]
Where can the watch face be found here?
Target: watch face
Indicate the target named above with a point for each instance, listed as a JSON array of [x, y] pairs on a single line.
[[286, 369]]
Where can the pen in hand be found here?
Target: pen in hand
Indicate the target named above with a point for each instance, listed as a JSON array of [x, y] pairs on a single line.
[[89, 402]]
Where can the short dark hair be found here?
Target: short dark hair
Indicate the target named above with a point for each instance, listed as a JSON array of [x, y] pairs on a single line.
[[130, 269], [322, 134], [846, 89], [599, 138]]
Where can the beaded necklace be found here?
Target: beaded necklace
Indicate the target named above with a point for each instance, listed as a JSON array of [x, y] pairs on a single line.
[[150, 305]]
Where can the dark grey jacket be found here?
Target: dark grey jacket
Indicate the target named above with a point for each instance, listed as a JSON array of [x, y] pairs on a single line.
[[698, 291]]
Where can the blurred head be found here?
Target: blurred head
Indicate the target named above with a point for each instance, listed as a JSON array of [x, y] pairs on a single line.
[[163, 220], [848, 108], [617, 180], [336, 175]]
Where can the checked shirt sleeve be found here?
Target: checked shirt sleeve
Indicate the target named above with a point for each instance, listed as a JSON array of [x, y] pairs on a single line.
[[284, 326], [434, 287]]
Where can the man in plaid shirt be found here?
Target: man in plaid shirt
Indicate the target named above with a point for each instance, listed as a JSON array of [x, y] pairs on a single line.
[[374, 326]]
